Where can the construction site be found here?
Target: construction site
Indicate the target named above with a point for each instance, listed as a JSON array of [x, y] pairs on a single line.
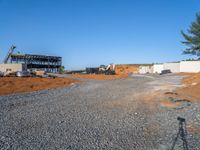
[[99, 75], [142, 99]]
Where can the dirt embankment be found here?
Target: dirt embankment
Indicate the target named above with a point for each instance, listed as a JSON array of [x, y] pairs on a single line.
[[126, 69], [99, 76], [11, 85], [191, 90], [121, 70]]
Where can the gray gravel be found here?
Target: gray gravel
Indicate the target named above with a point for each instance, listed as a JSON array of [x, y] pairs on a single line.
[[95, 115]]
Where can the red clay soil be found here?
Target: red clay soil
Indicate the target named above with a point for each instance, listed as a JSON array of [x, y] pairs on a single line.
[[191, 90], [11, 85], [126, 69], [169, 104], [100, 76]]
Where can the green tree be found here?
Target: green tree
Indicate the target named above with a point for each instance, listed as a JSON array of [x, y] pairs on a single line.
[[62, 69], [192, 40]]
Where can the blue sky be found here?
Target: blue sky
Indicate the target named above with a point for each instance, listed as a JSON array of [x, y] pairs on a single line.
[[94, 32]]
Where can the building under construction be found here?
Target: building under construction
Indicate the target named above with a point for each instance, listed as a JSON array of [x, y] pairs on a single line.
[[37, 62], [31, 62]]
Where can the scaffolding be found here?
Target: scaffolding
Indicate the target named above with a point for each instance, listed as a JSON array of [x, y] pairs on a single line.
[[38, 62]]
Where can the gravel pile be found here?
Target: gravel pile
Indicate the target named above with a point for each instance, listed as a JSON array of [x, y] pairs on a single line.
[[94, 115]]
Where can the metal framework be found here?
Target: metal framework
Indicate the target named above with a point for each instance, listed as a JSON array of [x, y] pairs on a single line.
[[10, 51], [41, 62]]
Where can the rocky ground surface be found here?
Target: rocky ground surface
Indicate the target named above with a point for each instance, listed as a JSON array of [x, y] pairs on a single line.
[[114, 114]]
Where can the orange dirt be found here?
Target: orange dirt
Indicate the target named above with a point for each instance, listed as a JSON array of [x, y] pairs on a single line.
[[191, 128], [169, 104], [11, 85], [191, 90], [99, 76], [126, 69]]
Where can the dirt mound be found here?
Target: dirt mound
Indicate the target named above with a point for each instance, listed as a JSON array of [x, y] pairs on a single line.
[[11, 85], [192, 87], [99, 76], [126, 69]]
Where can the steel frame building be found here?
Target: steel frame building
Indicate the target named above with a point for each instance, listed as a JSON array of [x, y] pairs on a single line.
[[39, 62]]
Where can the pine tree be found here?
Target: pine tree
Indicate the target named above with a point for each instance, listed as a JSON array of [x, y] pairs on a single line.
[[192, 40]]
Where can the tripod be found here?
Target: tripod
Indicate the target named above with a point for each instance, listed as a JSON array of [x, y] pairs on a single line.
[[182, 132]]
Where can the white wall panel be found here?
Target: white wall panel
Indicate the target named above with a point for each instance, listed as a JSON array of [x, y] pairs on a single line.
[[190, 66], [174, 67], [10, 67]]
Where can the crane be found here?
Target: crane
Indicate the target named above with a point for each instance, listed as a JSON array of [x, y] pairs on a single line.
[[10, 51]]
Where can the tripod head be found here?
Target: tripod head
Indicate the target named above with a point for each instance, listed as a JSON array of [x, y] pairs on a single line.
[[181, 120]]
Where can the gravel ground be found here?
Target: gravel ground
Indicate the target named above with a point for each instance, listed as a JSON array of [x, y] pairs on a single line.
[[96, 115]]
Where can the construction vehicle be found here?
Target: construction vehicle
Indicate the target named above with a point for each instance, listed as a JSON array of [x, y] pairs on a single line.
[[107, 70], [23, 74], [92, 70], [10, 51], [165, 71]]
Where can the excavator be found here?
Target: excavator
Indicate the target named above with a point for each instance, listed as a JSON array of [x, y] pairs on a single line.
[[107, 70]]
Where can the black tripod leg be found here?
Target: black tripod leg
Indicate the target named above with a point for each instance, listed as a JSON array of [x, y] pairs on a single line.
[[184, 136], [175, 140]]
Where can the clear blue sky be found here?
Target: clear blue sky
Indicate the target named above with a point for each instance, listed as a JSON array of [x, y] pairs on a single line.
[[94, 32]]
